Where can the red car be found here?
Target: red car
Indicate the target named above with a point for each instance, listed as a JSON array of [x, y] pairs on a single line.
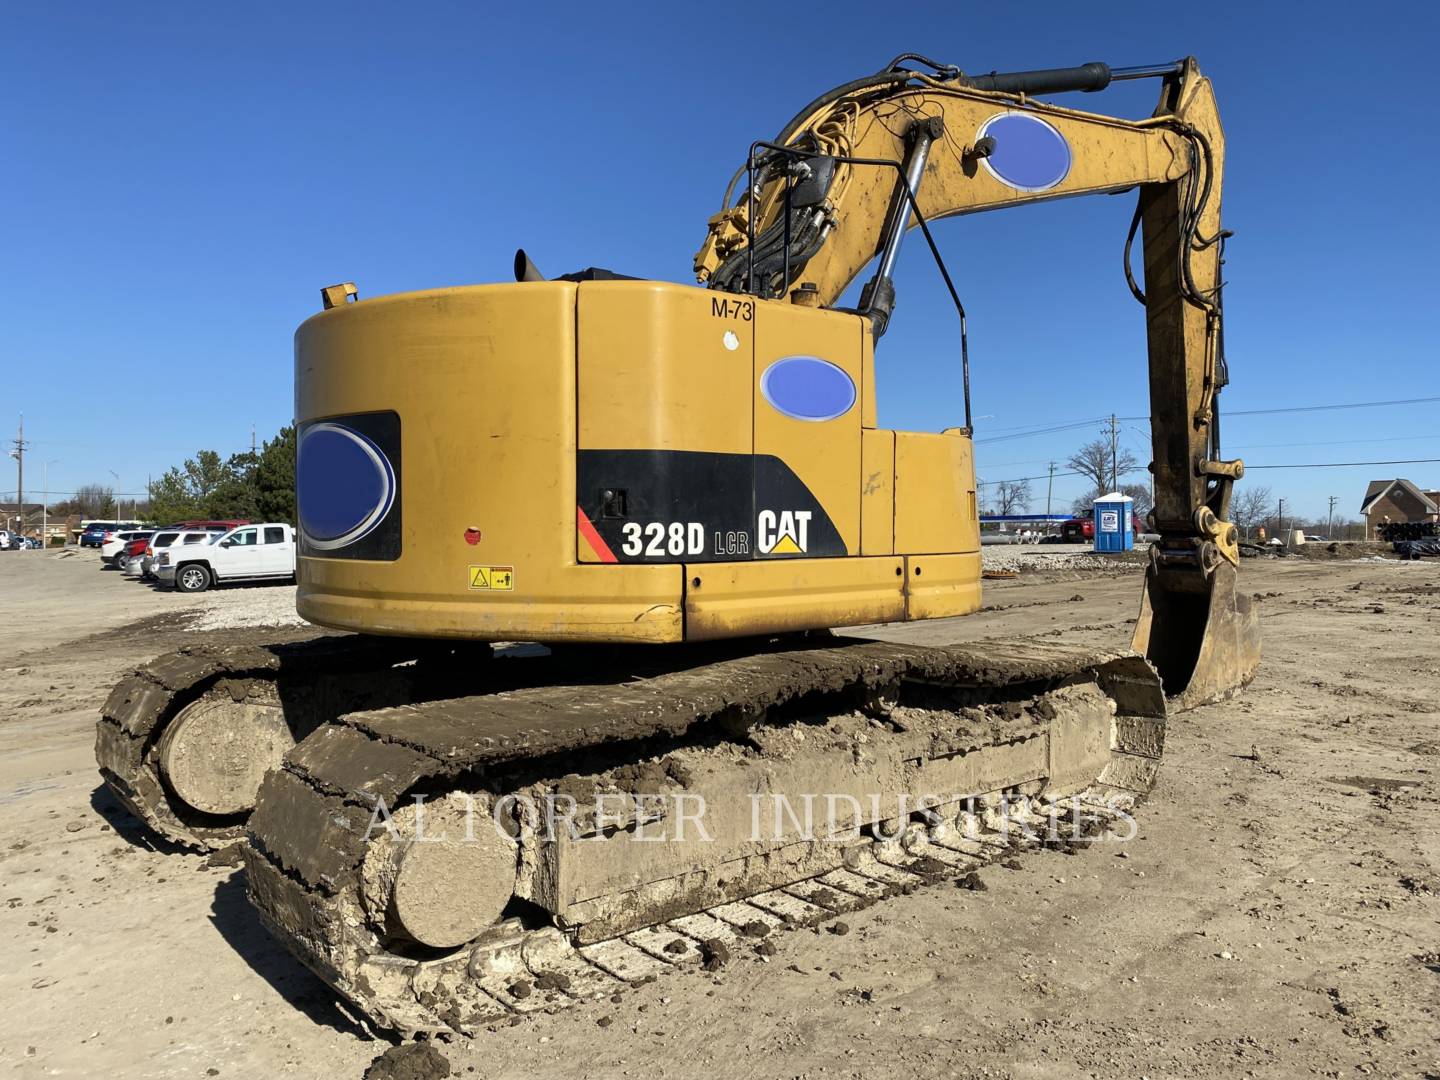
[[1080, 529], [133, 549]]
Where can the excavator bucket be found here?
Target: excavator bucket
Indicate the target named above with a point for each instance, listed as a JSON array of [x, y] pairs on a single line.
[[1200, 634]]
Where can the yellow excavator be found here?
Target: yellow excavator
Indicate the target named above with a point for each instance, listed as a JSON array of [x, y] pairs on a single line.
[[677, 490]]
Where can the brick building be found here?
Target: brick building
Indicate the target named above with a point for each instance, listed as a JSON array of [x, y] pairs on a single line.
[[33, 519], [1397, 500]]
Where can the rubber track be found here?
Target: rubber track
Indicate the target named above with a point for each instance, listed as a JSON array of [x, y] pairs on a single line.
[[307, 836]]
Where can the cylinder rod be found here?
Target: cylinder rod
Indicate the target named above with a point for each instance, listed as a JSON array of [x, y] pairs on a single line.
[[1147, 71]]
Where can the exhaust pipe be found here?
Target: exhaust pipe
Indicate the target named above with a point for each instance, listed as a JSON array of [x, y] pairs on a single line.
[[525, 270]]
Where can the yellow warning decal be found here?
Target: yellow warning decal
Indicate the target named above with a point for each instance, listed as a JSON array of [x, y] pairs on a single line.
[[494, 578]]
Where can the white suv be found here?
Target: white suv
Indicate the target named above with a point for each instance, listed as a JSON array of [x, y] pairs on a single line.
[[250, 553], [114, 545], [145, 567]]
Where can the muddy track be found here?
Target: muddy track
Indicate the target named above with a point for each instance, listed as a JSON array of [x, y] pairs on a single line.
[[136, 714], [313, 682], [310, 875]]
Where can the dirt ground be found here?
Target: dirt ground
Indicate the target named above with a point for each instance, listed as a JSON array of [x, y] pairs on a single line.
[[1277, 915]]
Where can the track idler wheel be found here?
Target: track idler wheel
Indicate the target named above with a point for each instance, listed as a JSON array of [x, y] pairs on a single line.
[[216, 751], [442, 873]]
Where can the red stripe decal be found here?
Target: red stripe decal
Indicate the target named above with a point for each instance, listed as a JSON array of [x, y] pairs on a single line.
[[593, 538]]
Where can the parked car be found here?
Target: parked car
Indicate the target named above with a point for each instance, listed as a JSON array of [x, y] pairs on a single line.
[[1080, 529], [114, 545], [97, 532], [133, 551], [168, 538], [94, 534], [141, 567], [8, 540], [261, 552]]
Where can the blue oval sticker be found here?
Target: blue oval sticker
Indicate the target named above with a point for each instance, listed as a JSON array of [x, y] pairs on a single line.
[[1029, 154], [807, 388], [344, 485]]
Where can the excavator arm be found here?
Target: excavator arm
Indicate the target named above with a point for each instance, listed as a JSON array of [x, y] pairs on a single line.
[[844, 181]]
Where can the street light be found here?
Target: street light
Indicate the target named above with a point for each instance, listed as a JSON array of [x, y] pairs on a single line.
[[19, 506], [45, 503], [118, 514]]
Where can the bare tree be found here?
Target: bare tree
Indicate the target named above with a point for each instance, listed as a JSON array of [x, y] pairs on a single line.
[[92, 500], [1093, 462], [1012, 496], [1140, 496], [1250, 506]]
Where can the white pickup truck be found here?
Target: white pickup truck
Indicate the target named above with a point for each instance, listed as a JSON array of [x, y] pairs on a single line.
[[248, 553]]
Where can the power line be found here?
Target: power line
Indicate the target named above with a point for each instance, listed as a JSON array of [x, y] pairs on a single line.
[[1227, 413], [1248, 467], [1345, 464], [1069, 425], [1042, 476], [1325, 408], [1427, 437], [1045, 431], [1027, 427], [112, 494]]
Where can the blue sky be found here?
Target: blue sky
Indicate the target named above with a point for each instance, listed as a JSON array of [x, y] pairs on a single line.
[[180, 181]]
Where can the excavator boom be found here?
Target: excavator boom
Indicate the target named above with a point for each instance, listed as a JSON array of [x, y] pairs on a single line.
[[844, 180]]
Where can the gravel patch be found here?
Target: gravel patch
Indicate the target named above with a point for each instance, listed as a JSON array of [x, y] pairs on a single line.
[[253, 605], [1046, 557]]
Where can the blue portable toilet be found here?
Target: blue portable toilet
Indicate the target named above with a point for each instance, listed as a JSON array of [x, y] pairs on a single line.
[[1114, 522]]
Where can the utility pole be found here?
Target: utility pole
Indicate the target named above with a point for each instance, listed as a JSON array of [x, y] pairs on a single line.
[[1049, 486], [1114, 453], [1280, 519], [19, 455], [252, 440], [1330, 520]]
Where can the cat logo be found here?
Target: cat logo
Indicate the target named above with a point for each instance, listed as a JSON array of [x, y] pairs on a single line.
[[785, 533]]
